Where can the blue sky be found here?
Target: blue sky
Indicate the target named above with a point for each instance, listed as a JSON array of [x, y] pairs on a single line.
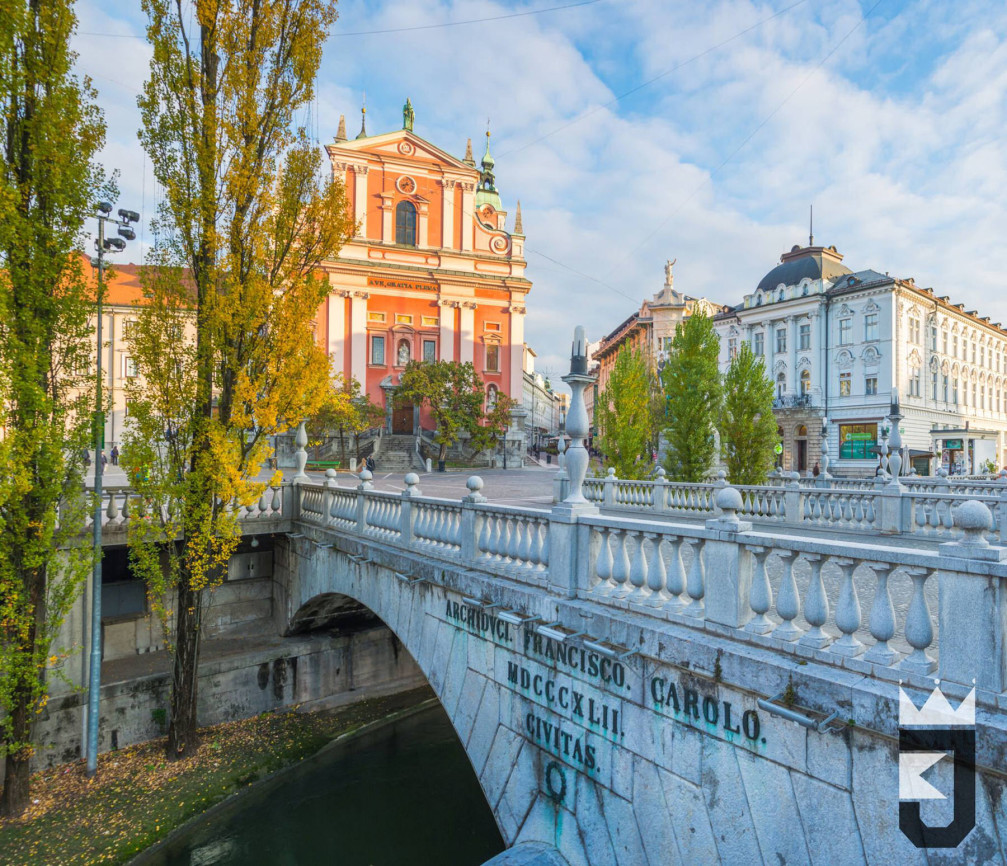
[[890, 117]]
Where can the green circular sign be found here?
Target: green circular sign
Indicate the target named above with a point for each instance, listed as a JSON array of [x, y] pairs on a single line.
[[778, 449]]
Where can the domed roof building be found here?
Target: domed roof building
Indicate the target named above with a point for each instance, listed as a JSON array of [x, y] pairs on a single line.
[[839, 345]]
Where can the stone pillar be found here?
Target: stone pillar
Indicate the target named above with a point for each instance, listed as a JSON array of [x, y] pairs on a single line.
[[516, 352], [972, 612], [336, 337], [469, 529], [468, 209], [447, 340], [423, 224], [412, 481], [564, 551], [360, 199], [358, 338], [447, 214], [467, 326], [792, 381], [728, 564]]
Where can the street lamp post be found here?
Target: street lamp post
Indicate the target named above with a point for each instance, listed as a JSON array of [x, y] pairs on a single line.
[[102, 245]]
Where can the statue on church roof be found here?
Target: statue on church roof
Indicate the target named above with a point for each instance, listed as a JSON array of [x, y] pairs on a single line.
[[408, 115]]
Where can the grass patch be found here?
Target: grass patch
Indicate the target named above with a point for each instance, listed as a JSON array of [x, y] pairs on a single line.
[[137, 797]]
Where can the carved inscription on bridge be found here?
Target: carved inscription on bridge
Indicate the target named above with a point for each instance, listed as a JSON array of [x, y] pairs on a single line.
[[578, 705]]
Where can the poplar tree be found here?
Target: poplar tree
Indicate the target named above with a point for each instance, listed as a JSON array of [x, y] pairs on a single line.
[[50, 131], [748, 431], [225, 344], [692, 390], [624, 415]]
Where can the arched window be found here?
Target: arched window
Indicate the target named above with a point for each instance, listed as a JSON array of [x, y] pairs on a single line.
[[405, 223], [805, 381]]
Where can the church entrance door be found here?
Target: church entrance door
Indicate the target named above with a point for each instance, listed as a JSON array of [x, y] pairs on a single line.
[[402, 419]]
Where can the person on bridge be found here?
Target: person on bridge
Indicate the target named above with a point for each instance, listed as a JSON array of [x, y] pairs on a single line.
[[115, 455]]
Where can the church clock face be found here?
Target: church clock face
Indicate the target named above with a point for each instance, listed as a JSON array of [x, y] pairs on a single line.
[[406, 185]]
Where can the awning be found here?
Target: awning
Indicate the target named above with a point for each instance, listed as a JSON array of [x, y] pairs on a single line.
[[913, 452]]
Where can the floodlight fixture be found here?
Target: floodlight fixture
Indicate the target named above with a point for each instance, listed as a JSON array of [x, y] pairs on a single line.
[[105, 207], [127, 233], [130, 216]]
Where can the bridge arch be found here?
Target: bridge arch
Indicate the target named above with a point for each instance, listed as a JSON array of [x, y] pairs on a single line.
[[458, 663]]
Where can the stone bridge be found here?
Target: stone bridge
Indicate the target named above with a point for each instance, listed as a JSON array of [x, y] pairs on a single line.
[[647, 689]]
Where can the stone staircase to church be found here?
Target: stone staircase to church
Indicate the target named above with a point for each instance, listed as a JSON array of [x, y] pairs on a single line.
[[397, 454]]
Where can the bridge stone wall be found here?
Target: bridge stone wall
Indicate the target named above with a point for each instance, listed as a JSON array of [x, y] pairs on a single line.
[[664, 755]]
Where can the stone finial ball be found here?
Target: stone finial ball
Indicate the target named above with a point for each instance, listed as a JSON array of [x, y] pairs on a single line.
[[330, 473], [474, 484], [795, 476], [611, 472], [365, 475], [728, 499], [721, 475], [411, 479], [973, 515]]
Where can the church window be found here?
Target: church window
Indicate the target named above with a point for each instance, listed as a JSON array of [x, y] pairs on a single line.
[[378, 351], [405, 223], [492, 358], [429, 350]]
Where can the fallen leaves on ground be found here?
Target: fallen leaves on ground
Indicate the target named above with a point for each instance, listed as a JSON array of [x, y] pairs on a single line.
[[137, 796]]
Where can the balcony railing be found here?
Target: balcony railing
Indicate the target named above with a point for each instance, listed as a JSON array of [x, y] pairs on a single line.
[[794, 401]]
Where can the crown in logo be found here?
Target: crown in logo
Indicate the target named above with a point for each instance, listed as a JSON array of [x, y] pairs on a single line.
[[937, 712]]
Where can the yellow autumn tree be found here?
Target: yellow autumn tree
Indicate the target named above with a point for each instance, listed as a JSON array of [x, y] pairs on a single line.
[[224, 345]]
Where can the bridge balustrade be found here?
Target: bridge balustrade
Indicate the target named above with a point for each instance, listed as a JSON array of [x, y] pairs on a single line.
[[924, 609]]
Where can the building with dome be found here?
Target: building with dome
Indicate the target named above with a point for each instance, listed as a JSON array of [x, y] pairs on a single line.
[[432, 272], [838, 343]]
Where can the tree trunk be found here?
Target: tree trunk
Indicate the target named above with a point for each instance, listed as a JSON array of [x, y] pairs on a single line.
[[17, 765], [185, 674]]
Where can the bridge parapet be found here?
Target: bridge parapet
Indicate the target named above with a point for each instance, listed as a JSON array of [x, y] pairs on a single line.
[[121, 504], [911, 507], [930, 611]]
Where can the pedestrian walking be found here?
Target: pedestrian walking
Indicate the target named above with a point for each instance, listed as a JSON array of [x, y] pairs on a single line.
[[816, 471], [104, 460], [115, 455], [87, 458]]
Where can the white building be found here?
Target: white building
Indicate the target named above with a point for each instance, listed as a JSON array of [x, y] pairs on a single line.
[[545, 410], [837, 342]]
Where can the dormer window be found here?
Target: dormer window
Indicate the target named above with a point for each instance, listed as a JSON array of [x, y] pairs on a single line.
[[405, 223]]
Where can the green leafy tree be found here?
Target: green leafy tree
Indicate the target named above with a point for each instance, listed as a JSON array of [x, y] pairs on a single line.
[[456, 398], [748, 431], [692, 390], [345, 411], [243, 228], [624, 415], [50, 131]]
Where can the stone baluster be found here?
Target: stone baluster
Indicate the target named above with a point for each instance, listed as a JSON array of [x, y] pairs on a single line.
[[638, 571], [301, 454], [882, 618], [676, 576], [620, 566], [277, 507], [788, 602], [919, 628], [847, 611], [112, 512], [695, 584], [762, 593], [264, 500], [656, 572], [543, 557], [362, 488], [661, 486], [603, 564], [816, 605]]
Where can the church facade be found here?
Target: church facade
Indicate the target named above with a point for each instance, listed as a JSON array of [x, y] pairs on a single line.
[[433, 271]]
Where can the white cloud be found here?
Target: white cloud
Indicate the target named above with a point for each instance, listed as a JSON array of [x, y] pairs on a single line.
[[896, 137]]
